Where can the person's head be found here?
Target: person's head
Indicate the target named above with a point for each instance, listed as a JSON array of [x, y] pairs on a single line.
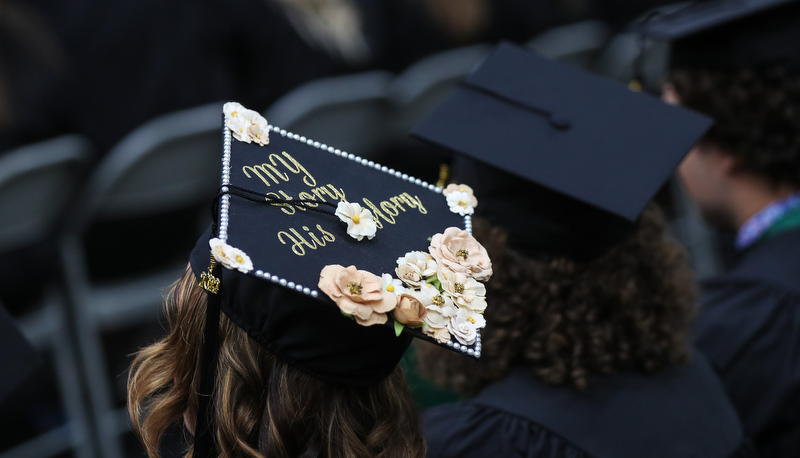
[[729, 60], [754, 142], [264, 407], [627, 309]]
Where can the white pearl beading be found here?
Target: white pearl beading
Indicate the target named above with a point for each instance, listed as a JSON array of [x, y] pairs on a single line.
[[475, 350], [471, 350]]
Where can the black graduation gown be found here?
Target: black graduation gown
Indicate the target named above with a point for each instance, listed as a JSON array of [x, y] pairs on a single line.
[[678, 413], [749, 329]]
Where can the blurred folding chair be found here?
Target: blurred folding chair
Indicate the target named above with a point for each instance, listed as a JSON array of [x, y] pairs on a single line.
[[626, 51], [36, 184], [166, 166], [348, 111], [577, 44], [423, 85]]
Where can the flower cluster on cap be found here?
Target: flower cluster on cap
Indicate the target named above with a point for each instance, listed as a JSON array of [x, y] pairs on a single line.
[[440, 291], [246, 125]]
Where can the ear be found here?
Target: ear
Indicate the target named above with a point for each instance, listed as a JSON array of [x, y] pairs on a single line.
[[723, 160]]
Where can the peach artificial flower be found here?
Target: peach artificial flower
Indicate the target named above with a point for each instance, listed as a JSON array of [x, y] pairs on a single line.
[[409, 311], [357, 293], [442, 335], [458, 250]]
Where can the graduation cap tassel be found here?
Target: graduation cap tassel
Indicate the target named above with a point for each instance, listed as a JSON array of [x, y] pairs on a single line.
[[204, 445]]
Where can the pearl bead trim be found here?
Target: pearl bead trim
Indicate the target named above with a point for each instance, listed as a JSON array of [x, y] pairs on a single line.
[[473, 350]]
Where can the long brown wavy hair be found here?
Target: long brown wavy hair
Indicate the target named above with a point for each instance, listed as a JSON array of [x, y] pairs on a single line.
[[628, 309], [263, 406]]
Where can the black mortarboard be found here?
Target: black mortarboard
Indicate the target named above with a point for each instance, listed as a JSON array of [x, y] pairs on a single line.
[[278, 211], [18, 359], [574, 157], [730, 33], [301, 227]]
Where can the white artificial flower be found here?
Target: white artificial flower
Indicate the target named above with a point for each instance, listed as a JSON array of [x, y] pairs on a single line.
[[253, 118], [258, 134], [219, 250], [230, 257], [392, 285], [423, 262], [461, 203], [360, 222], [463, 330], [239, 127], [232, 109], [473, 317]]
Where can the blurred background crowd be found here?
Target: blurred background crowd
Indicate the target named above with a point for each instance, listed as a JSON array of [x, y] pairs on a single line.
[[110, 139]]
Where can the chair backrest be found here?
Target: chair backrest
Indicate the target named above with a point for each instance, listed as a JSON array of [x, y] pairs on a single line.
[[348, 111], [36, 183], [423, 85], [171, 162], [577, 44]]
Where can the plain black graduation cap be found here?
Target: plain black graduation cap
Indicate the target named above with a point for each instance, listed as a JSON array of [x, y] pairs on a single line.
[[730, 33], [574, 157]]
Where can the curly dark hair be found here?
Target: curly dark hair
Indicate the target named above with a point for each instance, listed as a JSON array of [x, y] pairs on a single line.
[[757, 114], [628, 309]]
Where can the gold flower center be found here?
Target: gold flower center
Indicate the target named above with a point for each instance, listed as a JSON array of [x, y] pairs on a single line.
[[390, 288], [239, 259], [354, 287], [438, 300], [235, 114], [459, 288], [471, 319], [462, 203], [356, 219], [462, 253]]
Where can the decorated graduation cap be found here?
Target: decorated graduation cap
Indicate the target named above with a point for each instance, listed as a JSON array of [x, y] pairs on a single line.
[[730, 33], [564, 160], [334, 262]]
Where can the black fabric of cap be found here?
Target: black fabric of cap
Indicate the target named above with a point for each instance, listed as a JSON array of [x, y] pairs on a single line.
[[308, 333], [573, 158], [731, 34], [277, 303]]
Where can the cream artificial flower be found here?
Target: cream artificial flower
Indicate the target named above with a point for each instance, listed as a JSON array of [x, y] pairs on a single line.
[[230, 257], [357, 293], [239, 128], [451, 188], [473, 317], [438, 317], [462, 329], [258, 134], [442, 335], [465, 291], [461, 203], [458, 250], [359, 220], [430, 295], [422, 262], [392, 285], [253, 118]]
